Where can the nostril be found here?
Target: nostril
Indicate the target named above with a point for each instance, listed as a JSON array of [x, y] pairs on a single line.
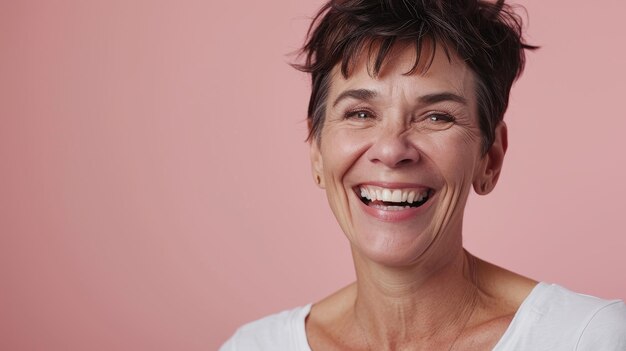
[[404, 161]]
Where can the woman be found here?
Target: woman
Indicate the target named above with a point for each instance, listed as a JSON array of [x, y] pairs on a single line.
[[405, 118]]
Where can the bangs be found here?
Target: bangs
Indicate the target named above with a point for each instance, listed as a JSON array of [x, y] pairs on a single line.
[[376, 51]]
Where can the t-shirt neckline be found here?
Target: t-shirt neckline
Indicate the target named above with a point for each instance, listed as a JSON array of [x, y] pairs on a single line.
[[303, 343]]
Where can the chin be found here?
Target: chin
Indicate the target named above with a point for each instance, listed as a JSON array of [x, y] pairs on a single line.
[[392, 249]]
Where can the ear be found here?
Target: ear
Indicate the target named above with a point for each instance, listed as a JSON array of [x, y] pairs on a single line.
[[317, 164], [488, 172]]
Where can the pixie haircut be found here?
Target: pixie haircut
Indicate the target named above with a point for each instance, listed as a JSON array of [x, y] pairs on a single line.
[[487, 36]]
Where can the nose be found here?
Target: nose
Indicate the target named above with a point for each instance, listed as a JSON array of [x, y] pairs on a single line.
[[394, 148]]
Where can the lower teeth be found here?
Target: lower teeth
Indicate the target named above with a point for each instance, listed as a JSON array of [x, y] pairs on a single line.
[[390, 208]]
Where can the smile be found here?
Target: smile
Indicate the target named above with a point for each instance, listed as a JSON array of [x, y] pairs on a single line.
[[392, 199]]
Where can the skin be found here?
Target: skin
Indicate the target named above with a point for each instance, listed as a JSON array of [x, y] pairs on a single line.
[[416, 287]]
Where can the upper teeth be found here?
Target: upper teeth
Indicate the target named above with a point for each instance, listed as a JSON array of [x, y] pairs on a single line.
[[374, 193]]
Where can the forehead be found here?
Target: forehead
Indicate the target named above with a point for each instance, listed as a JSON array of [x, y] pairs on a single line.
[[436, 72]]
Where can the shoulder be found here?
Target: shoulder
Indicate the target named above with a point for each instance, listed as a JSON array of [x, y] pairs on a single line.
[[559, 303], [605, 328], [276, 332], [560, 319]]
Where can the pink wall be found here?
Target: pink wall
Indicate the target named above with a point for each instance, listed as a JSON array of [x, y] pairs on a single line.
[[155, 189]]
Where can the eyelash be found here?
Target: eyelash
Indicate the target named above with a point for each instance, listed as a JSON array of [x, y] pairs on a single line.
[[433, 117], [355, 114], [443, 117]]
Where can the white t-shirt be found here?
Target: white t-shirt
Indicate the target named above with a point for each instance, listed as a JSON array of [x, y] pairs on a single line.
[[551, 318]]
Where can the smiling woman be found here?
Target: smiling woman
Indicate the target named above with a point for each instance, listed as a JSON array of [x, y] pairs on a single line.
[[411, 134], [405, 119]]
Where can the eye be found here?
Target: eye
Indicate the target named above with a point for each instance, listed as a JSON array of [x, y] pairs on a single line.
[[359, 114], [440, 117], [435, 121]]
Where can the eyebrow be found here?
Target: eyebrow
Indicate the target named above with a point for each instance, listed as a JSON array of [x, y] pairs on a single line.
[[439, 97], [366, 94], [359, 94]]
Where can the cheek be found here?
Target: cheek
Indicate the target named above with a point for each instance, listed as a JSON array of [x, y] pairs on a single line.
[[454, 158], [341, 150]]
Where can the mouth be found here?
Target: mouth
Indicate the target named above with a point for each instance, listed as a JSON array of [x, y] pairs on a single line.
[[387, 199]]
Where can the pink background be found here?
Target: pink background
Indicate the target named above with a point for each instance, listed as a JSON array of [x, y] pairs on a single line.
[[155, 190]]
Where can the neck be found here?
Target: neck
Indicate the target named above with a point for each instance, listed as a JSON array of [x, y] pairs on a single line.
[[430, 302]]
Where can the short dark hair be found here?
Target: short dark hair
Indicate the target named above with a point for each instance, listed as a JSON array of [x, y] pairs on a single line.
[[486, 35]]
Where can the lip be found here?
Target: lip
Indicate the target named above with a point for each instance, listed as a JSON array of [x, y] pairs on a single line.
[[396, 215], [395, 185]]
